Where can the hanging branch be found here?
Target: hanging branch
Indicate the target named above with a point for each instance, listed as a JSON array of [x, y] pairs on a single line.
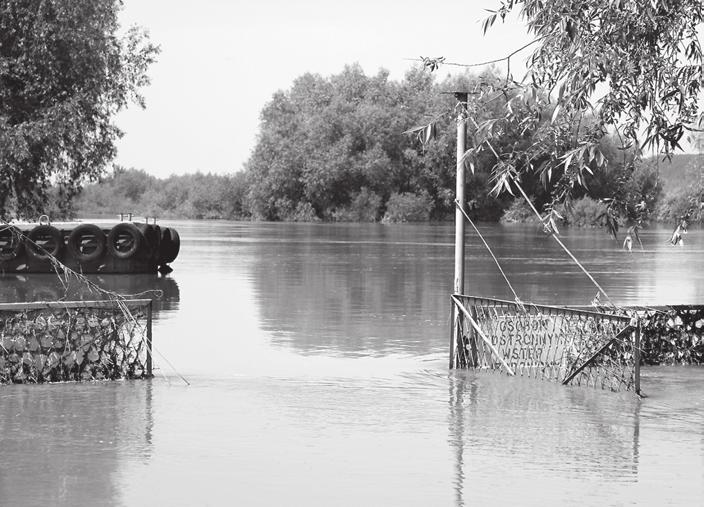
[[435, 63], [507, 178]]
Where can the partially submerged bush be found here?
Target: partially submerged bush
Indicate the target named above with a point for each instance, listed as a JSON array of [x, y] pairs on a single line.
[[583, 212], [685, 195], [300, 212], [408, 207], [679, 204], [519, 212], [304, 212], [586, 212], [365, 207]]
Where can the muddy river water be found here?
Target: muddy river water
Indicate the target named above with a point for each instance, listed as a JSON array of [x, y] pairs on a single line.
[[317, 362]]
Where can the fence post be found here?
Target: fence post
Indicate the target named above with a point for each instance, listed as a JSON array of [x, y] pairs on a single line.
[[149, 338]]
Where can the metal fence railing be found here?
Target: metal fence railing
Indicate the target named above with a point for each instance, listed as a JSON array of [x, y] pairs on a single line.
[[75, 340], [566, 345]]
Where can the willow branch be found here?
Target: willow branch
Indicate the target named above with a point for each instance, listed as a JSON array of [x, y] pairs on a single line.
[[488, 62]]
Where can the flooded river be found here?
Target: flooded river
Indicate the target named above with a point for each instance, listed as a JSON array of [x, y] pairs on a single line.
[[317, 358]]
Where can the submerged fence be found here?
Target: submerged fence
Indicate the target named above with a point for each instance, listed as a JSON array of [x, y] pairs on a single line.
[[77, 340], [565, 345]]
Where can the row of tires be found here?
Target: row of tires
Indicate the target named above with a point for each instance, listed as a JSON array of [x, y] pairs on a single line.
[[88, 243]]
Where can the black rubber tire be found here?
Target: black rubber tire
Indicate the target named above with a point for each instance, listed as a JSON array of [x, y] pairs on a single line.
[[40, 254], [16, 243], [74, 242], [152, 238], [170, 245], [125, 228]]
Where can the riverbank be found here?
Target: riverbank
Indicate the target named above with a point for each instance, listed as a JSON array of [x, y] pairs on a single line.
[[590, 213], [229, 197]]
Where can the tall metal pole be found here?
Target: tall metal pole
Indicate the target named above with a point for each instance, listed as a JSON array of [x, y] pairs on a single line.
[[458, 287], [459, 192]]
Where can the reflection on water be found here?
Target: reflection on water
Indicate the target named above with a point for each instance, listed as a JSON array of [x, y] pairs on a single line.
[[542, 438], [49, 287], [63, 444], [317, 356], [346, 288], [332, 290]]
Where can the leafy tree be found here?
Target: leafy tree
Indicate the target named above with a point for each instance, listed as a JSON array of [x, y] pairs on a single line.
[[322, 141], [644, 54], [684, 201], [408, 207], [65, 70], [364, 207], [628, 68], [196, 196], [330, 144], [132, 183]]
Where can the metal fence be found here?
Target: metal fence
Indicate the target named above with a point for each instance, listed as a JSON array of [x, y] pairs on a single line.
[[75, 340], [560, 344]]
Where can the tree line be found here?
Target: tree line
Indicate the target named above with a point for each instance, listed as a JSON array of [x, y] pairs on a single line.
[[191, 196], [338, 148], [225, 197], [367, 148]]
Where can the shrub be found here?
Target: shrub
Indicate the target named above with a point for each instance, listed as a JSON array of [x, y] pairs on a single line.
[[680, 203], [365, 207], [586, 212], [408, 207], [685, 195], [304, 212], [519, 212]]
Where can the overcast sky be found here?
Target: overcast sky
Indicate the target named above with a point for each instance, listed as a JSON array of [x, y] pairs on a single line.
[[221, 61]]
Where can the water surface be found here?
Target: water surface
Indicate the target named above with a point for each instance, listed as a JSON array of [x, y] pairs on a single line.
[[317, 357]]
